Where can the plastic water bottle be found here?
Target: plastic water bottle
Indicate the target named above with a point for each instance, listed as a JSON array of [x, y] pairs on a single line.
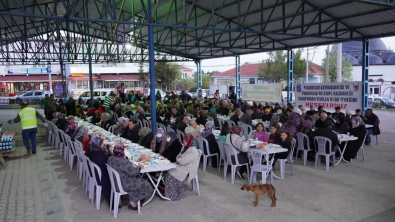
[[242, 137], [271, 146], [152, 162]]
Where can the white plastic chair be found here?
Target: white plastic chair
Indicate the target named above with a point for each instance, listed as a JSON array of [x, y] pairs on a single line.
[[301, 137], [210, 119], [139, 122], [160, 125], [231, 123], [362, 148], [117, 190], [61, 142], [115, 116], [146, 123], [203, 143], [221, 123], [87, 174], [231, 151], [80, 159], [66, 145], [246, 130], [111, 129], [190, 115], [72, 154], [221, 155], [256, 156], [320, 144], [195, 180], [180, 136], [239, 123], [251, 134], [93, 184], [289, 158]]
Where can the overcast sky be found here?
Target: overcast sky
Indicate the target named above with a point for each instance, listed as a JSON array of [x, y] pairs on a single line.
[[223, 64]]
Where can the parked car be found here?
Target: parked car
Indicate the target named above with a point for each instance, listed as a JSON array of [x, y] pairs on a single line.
[[97, 93], [384, 101], [32, 95]]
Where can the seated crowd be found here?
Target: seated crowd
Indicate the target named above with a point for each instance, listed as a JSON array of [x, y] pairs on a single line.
[[174, 114]]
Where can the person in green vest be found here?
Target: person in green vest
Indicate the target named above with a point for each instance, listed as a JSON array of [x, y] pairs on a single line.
[[27, 116], [43, 103], [108, 100]]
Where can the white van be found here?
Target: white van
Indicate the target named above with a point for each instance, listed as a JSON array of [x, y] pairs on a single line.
[[384, 102], [147, 92], [97, 93]]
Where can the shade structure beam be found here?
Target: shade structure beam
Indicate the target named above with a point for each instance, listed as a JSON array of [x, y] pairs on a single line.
[[290, 76], [365, 73]]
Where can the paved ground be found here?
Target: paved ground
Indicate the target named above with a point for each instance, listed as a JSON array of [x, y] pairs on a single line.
[[42, 188]]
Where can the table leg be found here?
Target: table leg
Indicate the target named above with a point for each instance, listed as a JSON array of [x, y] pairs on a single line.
[[282, 168], [342, 153], [156, 190], [2, 161]]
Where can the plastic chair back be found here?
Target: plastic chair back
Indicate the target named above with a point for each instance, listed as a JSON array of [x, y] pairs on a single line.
[[231, 123], [210, 119], [115, 116], [290, 155], [301, 137], [203, 145], [139, 122], [221, 123], [221, 149], [180, 136], [111, 129], [320, 144], [160, 125], [239, 123], [246, 130], [256, 156], [251, 134], [146, 123], [95, 169], [231, 151], [190, 115], [115, 179], [198, 162]]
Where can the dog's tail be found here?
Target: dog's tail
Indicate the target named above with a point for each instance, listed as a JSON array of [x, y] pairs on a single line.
[[274, 192]]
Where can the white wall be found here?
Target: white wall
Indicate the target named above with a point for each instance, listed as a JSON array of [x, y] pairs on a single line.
[[98, 68], [387, 72]]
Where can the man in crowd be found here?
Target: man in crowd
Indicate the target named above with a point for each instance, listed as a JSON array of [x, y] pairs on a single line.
[[108, 100], [236, 117], [43, 103], [326, 131], [27, 116], [232, 96], [311, 111], [358, 112], [224, 108], [371, 119], [246, 117], [216, 95], [320, 109], [337, 113], [268, 115], [50, 107], [192, 129], [320, 122], [183, 124], [190, 109], [258, 113], [316, 116], [167, 98], [276, 107]]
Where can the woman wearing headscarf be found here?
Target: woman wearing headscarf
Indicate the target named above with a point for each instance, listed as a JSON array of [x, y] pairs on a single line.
[[71, 125], [172, 147], [213, 147], [132, 131], [79, 133], [358, 130], [158, 142], [98, 156], [187, 161], [146, 137], [137, 188], [121, 126], [106, 121], [341, 126], [200, 118], [306, 127], [86, 141], [292, 124], [241, 145], [141, 114]]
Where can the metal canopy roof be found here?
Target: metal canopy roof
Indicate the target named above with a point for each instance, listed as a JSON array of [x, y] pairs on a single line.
[[186, 29]]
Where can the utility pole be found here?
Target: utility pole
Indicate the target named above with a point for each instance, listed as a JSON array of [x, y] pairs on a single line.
[[339, 62], [307, 65], [327, 64]]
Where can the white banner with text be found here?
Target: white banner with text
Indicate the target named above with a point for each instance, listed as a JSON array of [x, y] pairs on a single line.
[[262, 93], [346, 95]]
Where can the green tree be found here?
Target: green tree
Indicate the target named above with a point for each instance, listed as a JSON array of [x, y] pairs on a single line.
[[186, 84], [167, 74], [206, 80], [275, 68], [346, 67], [141, 72]]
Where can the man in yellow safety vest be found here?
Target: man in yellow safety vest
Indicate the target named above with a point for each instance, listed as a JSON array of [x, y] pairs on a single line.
[[28, 118]]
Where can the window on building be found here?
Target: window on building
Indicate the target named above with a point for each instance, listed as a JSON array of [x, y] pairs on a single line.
[[252, 81], [184, 75]]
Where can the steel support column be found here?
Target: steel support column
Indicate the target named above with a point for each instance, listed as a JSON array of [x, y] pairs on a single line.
[[199, 75], [365, 74], [238, 73], [290, 77], [151, 67]]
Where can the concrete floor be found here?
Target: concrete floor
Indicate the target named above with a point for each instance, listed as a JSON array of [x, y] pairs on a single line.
[[359, 191]]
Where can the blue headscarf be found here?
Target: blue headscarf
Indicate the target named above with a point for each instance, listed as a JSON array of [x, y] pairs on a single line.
[[208, 129], [159, 139]]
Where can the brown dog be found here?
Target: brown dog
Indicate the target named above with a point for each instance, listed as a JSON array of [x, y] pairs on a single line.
[[261, 189]]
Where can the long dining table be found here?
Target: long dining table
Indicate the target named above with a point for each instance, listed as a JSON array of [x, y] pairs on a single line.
[[153, 163]]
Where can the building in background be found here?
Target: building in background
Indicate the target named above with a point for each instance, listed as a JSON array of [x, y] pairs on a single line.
[[186, 72], [249, 75], [381, 66]]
